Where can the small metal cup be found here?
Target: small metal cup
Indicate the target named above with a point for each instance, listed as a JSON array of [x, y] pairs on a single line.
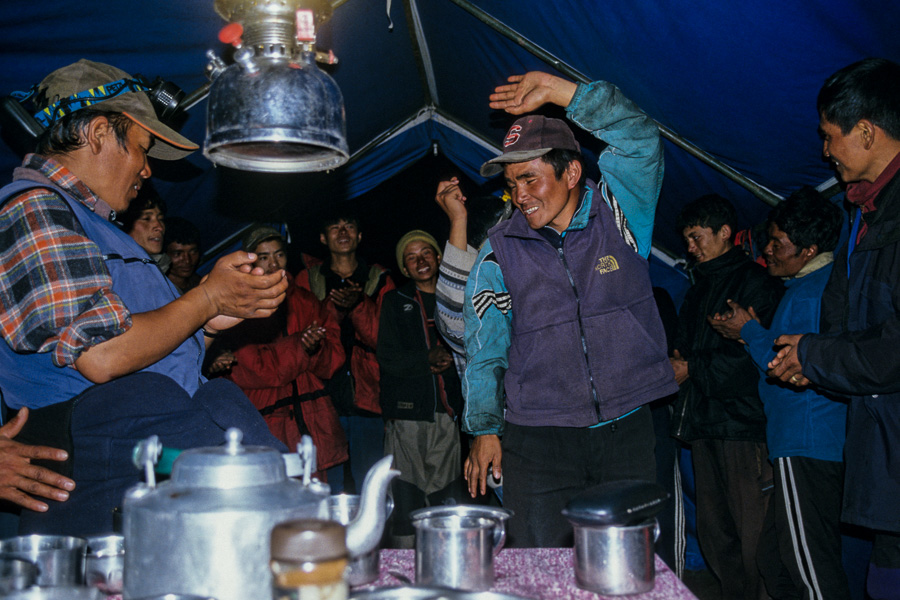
[[104, 563], [59, 559], [16, 574], [457, 550]]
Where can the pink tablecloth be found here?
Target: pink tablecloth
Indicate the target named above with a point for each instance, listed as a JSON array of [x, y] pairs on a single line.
[[539, 573]]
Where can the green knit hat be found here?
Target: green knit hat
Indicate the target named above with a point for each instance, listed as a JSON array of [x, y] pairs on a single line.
[[412, 236]]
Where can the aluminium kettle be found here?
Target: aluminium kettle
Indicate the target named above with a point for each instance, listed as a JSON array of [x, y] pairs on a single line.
[[206, 530]]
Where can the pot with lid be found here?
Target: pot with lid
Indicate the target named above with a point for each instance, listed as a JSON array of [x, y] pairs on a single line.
[[615, 533], [206, 530]]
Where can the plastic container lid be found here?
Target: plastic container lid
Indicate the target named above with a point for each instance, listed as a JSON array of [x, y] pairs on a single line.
[[309, 540], [622, 502]]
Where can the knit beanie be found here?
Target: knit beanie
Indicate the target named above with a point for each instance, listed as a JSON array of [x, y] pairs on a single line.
[[414, 235]]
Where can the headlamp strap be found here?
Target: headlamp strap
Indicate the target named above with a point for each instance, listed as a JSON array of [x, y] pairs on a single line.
[[83, 99]]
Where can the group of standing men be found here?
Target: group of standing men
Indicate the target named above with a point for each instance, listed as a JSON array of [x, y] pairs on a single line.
[[563, 340], [559, 284], [822, 407]]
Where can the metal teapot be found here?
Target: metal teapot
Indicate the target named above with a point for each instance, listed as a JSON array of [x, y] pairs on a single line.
[[206, 530]]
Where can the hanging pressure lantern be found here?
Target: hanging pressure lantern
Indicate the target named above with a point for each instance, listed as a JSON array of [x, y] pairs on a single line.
[[274, 110]]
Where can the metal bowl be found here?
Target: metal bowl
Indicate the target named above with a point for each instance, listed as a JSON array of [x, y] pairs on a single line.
[[16, 574], [63, 592], [175, 597], [60, 559], [418, 592]]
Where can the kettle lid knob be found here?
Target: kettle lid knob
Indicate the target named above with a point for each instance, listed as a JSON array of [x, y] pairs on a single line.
[[233, 438]]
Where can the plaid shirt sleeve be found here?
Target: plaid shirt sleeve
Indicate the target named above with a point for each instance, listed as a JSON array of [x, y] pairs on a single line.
[[55, 289]]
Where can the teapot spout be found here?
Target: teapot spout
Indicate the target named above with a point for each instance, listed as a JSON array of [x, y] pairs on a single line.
[[365, 530]]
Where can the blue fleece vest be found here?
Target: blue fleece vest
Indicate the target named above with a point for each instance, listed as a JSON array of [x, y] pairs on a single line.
[[587, 341], [31, 379]]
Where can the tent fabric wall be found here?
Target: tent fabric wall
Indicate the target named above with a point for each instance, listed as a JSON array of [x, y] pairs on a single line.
[[739, 80]]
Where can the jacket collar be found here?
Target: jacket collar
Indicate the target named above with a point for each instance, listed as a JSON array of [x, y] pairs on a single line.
[[884, 223], [721, 264], [819, 260]]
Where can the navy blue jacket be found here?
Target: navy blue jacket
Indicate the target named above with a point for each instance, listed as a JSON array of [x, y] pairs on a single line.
[[857, 354]]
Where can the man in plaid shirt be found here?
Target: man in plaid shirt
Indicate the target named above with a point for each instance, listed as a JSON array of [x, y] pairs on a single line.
[[100, 347]]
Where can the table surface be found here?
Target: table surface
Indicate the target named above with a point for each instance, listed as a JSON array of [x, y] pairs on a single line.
[[539, 573]]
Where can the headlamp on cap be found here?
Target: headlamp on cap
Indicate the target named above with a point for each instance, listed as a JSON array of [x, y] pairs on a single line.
[[24, 128]]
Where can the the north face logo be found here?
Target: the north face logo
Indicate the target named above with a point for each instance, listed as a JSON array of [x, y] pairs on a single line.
[[606, 264], [512, 136]]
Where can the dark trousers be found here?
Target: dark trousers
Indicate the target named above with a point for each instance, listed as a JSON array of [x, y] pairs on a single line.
[[734, 483], [883, 581], [545, 467], [670, 545], [800, 549], [108, 420]]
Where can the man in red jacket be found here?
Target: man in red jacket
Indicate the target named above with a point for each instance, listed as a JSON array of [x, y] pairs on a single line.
[[283, 361], [352, 291]]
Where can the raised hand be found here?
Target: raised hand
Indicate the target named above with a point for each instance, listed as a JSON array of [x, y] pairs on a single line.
[[528, 92]]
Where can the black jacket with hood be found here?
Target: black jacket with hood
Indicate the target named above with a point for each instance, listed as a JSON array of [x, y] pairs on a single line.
[[857, 354]]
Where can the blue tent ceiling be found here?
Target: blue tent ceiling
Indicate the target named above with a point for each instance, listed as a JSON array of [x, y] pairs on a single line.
[[737, 79]]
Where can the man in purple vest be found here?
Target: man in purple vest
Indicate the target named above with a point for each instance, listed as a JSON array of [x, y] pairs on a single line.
[[564, 342], [98, 344]]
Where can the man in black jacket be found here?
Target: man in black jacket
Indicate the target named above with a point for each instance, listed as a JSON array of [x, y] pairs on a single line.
[[855, 352], [718, 411], [420, 390]]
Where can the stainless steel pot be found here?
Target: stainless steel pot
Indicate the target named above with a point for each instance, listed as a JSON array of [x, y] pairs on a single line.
[[615, 533], [615, 560], [206, 530], [104, 563], [363, 568]]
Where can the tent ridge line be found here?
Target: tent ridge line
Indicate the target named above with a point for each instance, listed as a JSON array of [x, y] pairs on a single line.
[[422, 52]]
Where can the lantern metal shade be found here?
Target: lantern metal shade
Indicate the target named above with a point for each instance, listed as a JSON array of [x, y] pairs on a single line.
[[276, 117]]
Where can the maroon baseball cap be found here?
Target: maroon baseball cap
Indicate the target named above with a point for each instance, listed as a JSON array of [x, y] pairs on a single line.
[[531, 137]]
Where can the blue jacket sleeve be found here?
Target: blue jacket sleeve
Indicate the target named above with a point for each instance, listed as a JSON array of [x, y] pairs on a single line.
[[487, 315], [632, 163], [794, 315]]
